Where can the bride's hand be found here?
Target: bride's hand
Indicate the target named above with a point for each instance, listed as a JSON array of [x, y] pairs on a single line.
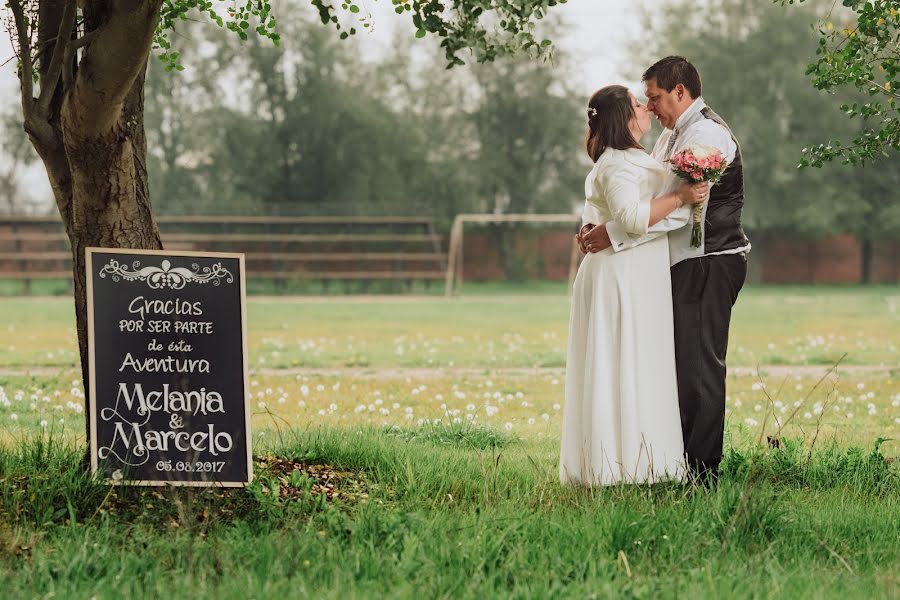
[[692, 193]]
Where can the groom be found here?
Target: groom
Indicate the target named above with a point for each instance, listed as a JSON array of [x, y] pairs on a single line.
[[705, 280]]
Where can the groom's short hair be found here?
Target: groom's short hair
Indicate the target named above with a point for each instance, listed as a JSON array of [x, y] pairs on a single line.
[[672, 70]]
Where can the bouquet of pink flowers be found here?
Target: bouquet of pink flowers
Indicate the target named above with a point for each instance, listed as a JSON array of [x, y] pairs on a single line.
[[696, 164]]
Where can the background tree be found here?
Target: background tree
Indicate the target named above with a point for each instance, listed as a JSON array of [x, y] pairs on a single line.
[[860, 49], [16, 155]]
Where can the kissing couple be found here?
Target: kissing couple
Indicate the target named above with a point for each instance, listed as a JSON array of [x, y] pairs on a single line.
[[651, 304]]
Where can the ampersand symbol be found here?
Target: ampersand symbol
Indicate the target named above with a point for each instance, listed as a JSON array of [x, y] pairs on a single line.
[[176, 422]]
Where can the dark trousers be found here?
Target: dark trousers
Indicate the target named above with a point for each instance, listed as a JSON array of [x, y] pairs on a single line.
[[703, 292]]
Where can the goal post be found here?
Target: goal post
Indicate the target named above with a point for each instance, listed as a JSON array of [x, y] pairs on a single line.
[[454, 277]]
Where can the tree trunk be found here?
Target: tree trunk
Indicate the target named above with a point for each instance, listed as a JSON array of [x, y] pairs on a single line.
[[88, 128], [867, 261], [111, 196], [756, 258]]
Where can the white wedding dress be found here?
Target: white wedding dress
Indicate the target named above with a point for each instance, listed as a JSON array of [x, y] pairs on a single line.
[[621, 420]]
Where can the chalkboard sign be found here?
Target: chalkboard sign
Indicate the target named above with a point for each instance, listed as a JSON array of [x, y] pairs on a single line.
[[167, 342]]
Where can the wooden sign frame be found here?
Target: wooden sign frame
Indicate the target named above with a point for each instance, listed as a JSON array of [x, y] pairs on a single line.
[[89, 265]]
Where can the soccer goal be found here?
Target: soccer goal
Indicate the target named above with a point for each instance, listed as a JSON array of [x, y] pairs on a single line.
[[454, 275]]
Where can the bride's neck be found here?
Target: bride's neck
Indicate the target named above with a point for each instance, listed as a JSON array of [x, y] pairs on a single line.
[[636, 134]]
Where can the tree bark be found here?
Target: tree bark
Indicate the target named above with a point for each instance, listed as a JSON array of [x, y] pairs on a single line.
[[112, 199], [867, 263]]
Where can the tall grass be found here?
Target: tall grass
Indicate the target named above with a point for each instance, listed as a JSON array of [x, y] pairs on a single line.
[[450, 512]]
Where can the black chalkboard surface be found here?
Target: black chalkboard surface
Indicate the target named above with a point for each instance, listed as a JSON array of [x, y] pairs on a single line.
[[168, 367]]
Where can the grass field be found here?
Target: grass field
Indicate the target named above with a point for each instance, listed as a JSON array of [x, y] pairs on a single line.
[[436, 425], [771, 325]]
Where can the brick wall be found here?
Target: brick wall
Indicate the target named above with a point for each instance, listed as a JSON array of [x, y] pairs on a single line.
[[837, 259]]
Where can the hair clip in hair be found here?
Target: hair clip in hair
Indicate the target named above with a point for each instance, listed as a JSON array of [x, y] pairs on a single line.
[[592, 112]]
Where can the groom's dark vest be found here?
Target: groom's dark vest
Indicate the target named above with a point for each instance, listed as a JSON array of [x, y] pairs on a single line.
[[722, 229]]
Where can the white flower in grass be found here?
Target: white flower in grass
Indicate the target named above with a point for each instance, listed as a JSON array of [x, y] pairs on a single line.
[[301, 404], [332, 406], [321, 412], [320, 388], [469, 416], [379, 402], [396, 405], [757, 408], [556, 407], [508, 426], [261, 405], [849, 415], [757, 386], [520, 395], [457, 420], [268, 391], [545, 417], [384, 412], [470, 407], [490, 410], [807, 415], [531, 421], [62, 421], [282, 400], [554, 381], [14, 416], [860, 386], [408, 410], [304, 389], [751, 422], [360, 408], [44, 424], [443, 407]]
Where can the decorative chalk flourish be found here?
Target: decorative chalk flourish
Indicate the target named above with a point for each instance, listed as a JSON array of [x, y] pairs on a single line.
[[165, 276]]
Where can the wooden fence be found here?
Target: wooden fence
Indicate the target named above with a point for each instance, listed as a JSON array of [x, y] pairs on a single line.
[[278, 248]]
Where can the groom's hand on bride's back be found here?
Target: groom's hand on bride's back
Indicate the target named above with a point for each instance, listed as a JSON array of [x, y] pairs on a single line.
[[593, 238]]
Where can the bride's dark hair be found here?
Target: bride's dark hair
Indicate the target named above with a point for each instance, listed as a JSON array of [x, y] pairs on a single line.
[[609, 112]]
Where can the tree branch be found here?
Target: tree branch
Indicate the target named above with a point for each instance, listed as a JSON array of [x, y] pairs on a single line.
[[117, 52], [26, 70], [51, 77]]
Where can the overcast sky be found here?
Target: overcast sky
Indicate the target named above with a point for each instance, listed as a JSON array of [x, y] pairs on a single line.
[[598, 30]]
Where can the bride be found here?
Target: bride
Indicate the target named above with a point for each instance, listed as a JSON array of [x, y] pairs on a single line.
[[621, 421]]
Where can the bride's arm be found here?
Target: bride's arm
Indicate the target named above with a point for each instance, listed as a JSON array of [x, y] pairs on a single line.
[[662, 208], [622, 187]]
